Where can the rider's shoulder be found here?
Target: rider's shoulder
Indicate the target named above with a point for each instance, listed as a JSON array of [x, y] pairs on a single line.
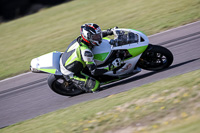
[[86, 51]]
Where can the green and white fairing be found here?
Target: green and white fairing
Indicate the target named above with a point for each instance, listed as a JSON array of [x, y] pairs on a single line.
[[103, 52], [50, 62]]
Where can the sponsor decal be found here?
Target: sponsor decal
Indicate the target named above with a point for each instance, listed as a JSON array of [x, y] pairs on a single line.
[[126, 68]]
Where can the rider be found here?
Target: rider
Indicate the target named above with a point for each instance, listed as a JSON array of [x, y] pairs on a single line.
[[79, 55]]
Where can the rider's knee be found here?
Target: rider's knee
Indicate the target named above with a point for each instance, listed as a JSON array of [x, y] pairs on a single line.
[[92, 84]]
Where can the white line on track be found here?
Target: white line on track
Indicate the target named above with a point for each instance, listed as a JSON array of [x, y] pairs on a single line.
[[15, 76]]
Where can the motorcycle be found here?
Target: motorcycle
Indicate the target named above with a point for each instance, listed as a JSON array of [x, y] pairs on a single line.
[[130, 45]]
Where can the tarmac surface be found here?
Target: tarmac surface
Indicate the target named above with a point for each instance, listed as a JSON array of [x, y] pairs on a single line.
[[27, 95]]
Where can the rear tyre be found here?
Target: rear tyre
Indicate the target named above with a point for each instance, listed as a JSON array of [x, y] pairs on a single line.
[[156, 58], [60, 86]]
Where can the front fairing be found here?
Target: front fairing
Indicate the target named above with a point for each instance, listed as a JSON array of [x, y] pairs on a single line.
[[134, 49]]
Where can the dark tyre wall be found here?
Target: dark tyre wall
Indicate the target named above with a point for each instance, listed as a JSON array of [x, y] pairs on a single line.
[[11, 9]]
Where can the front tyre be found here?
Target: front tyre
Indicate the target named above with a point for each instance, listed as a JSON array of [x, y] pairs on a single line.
[[60, 86], [156, 58]]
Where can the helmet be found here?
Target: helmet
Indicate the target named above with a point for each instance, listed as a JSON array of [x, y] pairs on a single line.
[[91, 33]]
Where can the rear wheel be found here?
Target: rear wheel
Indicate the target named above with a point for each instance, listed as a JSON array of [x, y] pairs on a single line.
[[62, 87], [156, 58]]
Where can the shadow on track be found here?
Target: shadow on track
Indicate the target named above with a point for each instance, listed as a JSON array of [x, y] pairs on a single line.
[[135, 78]]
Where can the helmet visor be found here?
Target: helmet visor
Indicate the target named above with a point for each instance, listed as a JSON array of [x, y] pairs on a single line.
[[96, 37]]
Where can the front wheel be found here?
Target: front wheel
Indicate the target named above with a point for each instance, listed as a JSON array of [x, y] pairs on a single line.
[[156, 58], [60, 86]]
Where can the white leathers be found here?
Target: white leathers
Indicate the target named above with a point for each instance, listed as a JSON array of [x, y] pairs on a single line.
[[64, 70]]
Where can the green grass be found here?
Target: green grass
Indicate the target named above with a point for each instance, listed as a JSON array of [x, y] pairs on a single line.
[[54, 28], [167, 106]]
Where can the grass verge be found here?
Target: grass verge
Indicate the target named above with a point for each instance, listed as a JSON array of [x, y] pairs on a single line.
[[167, 106], [54, 28]]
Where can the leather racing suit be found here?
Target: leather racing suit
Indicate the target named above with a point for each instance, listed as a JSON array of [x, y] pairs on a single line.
[[78, 56]]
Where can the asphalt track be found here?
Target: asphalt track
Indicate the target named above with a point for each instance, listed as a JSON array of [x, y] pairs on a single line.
[[27, 95]]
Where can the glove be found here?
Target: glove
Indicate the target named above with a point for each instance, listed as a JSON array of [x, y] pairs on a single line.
[[109, 32], [116, 63]]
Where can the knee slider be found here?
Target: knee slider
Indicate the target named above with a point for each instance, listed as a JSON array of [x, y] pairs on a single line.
[[92, 84]]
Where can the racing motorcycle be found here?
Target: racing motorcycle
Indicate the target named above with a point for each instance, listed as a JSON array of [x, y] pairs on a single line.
[[130, 46]]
